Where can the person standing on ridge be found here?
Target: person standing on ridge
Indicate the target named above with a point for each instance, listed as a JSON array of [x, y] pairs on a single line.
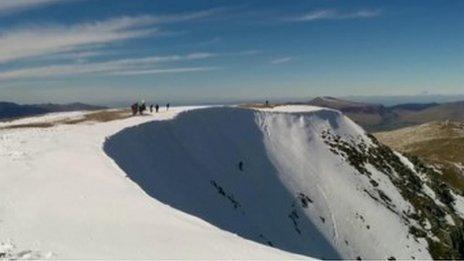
[[142, 107], [157, 108], [134, 108], [167, 106], [151, 108]]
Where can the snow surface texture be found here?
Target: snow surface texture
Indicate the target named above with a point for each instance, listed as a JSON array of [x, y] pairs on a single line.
[[63, 198], [269, 176]]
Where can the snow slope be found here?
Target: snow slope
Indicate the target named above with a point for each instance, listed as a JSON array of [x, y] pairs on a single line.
[[62, 197], [219, 183], [295, 192]]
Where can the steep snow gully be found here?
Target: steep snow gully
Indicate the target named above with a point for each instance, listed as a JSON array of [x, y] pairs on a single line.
[[271, 176]]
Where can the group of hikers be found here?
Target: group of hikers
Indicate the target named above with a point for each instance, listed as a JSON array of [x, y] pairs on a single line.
[[140, 107]]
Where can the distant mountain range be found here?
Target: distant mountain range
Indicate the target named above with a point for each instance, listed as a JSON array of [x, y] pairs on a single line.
[[376, 117], [10, 110]]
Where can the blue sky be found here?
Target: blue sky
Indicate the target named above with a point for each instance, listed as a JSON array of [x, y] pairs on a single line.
[[110, 51]]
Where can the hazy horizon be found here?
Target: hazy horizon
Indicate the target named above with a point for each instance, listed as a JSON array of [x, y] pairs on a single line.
[[383, 100]]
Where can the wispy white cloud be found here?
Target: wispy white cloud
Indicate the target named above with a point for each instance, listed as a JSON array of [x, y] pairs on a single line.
[[281, 60], [72, 55], [164, 70], [330, 14], [121, 66], [181, 17], [8, 6], [38, 40]]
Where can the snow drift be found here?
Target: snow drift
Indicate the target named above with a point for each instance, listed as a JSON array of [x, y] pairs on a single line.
[[306, 183]]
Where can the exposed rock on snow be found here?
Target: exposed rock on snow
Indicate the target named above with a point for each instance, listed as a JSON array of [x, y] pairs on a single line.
[[8, 251]]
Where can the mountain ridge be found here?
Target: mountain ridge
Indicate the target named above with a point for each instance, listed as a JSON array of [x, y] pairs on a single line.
[[301, 170], [377, 117]]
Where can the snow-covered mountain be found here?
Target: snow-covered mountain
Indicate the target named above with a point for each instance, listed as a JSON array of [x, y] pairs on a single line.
[[303, 180], [63, 198]]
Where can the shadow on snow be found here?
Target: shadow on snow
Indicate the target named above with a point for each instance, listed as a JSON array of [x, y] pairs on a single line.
[[191, 163]]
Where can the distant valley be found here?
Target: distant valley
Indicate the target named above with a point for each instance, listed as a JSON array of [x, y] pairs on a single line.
[[10, 110], [376, 117]]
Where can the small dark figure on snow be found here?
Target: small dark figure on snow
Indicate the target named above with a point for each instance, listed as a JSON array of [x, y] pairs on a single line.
[[157, 107], [167, 106], [142, 108], [267, 103], [151, 108], [134, 108], [240, 165]]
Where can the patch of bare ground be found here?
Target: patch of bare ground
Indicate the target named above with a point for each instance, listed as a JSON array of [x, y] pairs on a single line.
[[440, 144], [98, 116], [258, 105], [29, 125], [101, 116]]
